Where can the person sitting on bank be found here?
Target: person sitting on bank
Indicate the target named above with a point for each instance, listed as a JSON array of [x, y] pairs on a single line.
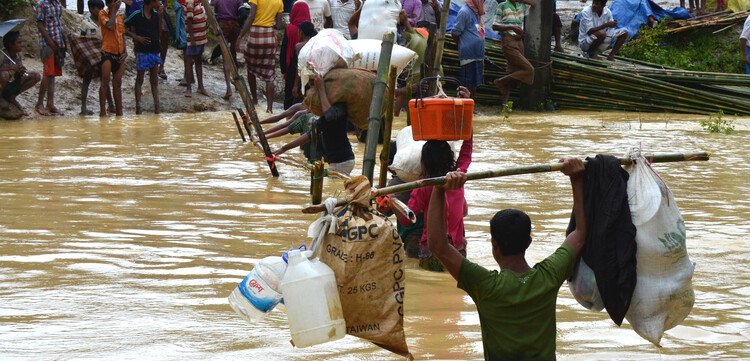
[[597, 30], [332, 129], [509, 21], [516, 305], [14, 79]]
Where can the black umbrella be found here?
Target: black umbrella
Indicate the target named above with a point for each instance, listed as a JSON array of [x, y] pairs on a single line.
[[5, 28]]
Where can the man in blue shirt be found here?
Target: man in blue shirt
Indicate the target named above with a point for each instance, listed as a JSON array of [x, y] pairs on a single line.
[[469, 36]]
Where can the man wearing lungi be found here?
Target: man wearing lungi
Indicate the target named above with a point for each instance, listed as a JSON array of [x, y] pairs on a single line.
[[597, 30], [509, 20], [260, 51]]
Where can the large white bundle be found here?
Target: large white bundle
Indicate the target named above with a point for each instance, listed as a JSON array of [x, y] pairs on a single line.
[[323, 52], [377, 18], [664, 295], [407, 163], [367, 54]]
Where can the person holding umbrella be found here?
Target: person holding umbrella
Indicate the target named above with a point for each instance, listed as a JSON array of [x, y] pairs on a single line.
[[14, 79]]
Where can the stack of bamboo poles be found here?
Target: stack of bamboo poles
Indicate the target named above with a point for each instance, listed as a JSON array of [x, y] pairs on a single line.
[[722, 19], [627, 85]]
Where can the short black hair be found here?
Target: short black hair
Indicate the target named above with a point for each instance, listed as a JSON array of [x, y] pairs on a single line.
[[108, 2], [603, 2], [146, 2], [10, 38], [96, 4], [308, 29], [511, 229]]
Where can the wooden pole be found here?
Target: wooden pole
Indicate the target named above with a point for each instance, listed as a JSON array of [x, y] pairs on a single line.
[[385, 152], [241, 85], [428, 182], [373, 128], [245, 122], [317, 182], [239, 129], [538, 31], [441, 38]]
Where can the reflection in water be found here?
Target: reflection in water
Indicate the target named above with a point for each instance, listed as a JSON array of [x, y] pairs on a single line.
[[122, 237]]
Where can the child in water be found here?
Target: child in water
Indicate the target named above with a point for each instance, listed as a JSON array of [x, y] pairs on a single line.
[[438, 159]]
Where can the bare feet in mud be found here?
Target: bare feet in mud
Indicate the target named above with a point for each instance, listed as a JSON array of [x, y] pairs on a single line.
[[85, 111], [54, 110], [42, 110], [202, 91], [559, 49], [227, 95]]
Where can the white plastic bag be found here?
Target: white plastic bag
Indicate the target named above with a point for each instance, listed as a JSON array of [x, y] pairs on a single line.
[[368, 54], [377, 18], [407, 163], [663, 296], [583, 287], [323, 52]]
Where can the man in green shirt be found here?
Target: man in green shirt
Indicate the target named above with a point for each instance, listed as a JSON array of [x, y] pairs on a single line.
[[516, 305]]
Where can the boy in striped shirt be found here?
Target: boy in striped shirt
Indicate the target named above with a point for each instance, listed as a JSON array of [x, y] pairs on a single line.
[[509, 19], [195, 25]]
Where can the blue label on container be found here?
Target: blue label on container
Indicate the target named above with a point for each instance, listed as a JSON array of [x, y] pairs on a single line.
[[257, 294]]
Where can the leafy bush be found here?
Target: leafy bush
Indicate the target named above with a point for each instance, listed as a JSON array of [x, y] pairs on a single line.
[[697, 50], [7, 7], [715, 124]]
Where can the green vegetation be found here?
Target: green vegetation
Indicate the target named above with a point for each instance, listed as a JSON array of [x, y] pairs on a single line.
[[698, 50], [715, 124], [8, 7], [507, 109]]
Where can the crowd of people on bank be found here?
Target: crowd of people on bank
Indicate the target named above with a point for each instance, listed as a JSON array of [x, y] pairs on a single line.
[[99, 48]]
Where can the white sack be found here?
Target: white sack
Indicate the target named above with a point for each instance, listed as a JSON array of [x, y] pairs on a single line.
[[323, 52], [368, 54], [377, 18], [407, 163], [663, 296]]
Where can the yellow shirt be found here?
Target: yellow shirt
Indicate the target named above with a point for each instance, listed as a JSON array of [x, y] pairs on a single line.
[[266, 12]]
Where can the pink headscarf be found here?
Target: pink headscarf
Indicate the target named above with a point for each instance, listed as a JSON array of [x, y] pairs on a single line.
[[478, 7], [300, 12]]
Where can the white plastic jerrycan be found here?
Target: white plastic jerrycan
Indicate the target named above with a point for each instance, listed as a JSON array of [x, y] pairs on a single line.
[[312, 301], [259, 292]]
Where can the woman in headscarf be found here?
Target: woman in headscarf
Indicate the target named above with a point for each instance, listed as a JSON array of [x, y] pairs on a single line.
[[288, 59]]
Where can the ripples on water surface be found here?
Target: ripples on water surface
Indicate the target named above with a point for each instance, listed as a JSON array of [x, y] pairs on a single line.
[[121, 238]]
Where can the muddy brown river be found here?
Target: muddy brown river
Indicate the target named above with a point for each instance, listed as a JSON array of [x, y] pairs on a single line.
[[122, 238]]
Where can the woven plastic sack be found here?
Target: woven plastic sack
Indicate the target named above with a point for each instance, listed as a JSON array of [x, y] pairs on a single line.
[[377, 18], [351, 86], [323, 52], [366, 255], [663, 296], [368, 55]]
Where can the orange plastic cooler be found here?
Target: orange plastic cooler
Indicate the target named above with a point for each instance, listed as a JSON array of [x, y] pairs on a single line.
[[441, 117]]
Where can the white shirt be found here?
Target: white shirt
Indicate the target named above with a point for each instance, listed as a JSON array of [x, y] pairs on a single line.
[[590, 20], [341, 12], [746, 31], [319, 11]]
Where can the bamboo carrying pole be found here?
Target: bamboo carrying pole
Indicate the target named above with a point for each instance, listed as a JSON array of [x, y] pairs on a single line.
[[239, 129], [376, 106], [245, 123], [655, 158], [385, 152], [241, 85]]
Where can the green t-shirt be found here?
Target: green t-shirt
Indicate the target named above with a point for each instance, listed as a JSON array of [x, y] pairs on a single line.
[[301, 125], [517, 311]]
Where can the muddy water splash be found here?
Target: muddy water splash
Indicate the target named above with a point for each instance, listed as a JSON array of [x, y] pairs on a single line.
[[121, 239]]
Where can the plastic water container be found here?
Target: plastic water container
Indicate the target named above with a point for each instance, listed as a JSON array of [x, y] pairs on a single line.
[[259, 292], [312, 301]]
